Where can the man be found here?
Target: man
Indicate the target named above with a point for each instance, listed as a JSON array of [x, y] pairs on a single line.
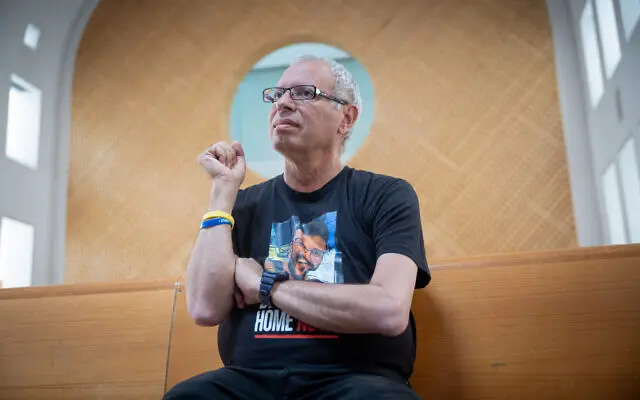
[[348, 333]]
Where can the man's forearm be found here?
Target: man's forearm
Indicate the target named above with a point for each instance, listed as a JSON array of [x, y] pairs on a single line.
[[341, 308], [210, 273]]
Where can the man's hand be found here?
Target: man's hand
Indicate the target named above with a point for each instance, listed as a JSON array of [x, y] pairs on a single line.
[[239, 297], [224, 163], [248, 276]]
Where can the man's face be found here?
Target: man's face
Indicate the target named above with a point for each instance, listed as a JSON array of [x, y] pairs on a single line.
[[305, 124], [307, 252]]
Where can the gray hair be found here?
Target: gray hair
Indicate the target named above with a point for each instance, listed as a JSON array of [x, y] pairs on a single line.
[[346, 87]]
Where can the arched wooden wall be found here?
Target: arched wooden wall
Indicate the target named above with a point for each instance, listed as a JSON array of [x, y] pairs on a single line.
[[466, 110]]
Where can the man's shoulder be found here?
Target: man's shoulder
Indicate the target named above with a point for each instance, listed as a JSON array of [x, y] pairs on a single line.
[[257, 188], [377, 183]]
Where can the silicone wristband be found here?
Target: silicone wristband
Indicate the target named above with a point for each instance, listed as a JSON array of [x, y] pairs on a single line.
[[219, 214], [208, 223]]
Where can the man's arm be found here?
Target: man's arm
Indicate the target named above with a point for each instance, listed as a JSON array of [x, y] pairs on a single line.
[[210, 283], [210, 272], [382, 306]]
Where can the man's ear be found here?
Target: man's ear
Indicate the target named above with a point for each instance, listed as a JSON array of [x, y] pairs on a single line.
[[349, 116]]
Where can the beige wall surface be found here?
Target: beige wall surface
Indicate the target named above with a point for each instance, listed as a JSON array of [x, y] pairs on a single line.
[[466, 110]]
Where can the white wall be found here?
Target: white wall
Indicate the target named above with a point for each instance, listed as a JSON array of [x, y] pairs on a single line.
[[38, 197], [574, 122], [595, 134]]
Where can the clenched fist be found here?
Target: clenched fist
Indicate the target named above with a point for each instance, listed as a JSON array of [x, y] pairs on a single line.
[[224, 163]]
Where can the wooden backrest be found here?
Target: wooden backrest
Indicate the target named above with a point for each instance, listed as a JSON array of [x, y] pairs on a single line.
[[550, 325], [85, 341], [547, 325], [554, 325]]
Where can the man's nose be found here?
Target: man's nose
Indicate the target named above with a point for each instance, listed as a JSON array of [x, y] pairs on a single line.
[[285, 102]]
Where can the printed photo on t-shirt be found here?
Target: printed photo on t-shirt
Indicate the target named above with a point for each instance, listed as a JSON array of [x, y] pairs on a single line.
[[306, 251]]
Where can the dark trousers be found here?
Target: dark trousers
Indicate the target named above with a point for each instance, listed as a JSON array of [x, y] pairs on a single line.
[[242, 383]]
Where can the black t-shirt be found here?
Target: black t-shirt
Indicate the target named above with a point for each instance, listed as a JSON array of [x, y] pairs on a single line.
[[332, 235]]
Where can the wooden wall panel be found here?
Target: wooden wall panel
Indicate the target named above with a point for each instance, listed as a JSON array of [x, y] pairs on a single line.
[[466, 110], [99, 341]]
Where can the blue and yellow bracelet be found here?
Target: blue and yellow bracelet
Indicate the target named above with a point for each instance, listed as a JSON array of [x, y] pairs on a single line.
[[214, 218]]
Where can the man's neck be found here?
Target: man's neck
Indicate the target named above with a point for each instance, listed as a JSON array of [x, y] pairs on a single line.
[[312, 174]]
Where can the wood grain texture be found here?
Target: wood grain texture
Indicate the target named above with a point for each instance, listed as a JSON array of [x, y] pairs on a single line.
[[539, 257], [557, 326], [88, 288], [466, 111], [82, 345]]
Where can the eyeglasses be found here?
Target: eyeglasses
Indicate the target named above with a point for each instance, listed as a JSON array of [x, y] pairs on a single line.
[[311, 252], [300, 92]]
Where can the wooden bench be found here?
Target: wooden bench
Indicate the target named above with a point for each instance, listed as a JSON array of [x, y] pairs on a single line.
[[548, 325], [557, 325], [88, 341]]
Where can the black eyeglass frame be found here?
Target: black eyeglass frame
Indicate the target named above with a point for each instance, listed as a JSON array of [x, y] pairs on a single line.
[[316, 92]]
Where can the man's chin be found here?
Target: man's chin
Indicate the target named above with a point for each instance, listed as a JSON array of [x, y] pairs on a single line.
[[289, 147], [280, 142]]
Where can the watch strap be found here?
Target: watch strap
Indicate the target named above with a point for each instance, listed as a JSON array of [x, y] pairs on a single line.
[[266, 285]]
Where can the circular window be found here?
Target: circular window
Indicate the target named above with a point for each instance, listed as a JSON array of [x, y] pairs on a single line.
[[250, 115]]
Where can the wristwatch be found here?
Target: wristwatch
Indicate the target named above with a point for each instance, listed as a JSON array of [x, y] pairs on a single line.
[[266, 285]]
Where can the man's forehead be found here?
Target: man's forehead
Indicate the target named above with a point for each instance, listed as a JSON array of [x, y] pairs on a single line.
[[315, 239], [307, 73]]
